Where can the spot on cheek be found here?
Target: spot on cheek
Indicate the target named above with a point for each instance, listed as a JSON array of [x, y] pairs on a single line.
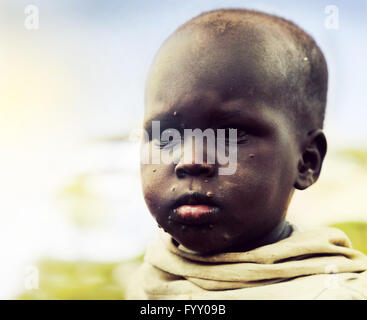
[[226, 236], [229, 184]]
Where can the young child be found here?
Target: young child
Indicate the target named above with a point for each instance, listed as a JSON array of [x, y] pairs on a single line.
[[225, 236]]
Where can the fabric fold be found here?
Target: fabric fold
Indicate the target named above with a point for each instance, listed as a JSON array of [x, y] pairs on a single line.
[[171, 271]]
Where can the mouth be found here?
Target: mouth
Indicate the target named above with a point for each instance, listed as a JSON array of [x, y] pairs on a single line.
[[195, 209]]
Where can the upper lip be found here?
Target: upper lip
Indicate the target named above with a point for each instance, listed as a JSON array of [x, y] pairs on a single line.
[[194, 198]]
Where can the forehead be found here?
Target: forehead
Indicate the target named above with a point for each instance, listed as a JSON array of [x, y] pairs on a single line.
[[194, 73]]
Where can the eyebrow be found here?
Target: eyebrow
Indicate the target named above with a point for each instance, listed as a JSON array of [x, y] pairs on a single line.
[[236, 115], [226, 114]]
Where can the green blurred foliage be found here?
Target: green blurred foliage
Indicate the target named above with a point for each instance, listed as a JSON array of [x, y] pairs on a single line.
[[79, 280], [357, 233], [356, 155]]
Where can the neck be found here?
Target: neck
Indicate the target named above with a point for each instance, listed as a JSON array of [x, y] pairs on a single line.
[[281, 231]]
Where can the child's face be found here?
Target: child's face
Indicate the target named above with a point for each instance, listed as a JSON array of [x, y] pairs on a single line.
[[252, 201]]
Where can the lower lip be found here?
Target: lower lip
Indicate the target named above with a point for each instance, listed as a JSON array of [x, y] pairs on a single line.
[[194, 211], [195, 214]]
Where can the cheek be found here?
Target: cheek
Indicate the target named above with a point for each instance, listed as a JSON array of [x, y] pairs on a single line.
[[265, 172], [155, 184], [277, 166]]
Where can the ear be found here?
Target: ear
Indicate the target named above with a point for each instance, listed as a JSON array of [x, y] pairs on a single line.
[[309, 166]]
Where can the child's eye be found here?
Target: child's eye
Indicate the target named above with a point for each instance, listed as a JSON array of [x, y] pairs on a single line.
[[230, 136], [169, 138]]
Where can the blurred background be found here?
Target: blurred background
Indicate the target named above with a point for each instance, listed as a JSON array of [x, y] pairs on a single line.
[[73, 222]]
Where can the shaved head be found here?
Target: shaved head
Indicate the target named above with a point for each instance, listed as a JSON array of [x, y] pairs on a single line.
[[251, 54]]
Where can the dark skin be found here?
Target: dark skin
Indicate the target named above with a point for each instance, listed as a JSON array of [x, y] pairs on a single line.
[[196, 82]]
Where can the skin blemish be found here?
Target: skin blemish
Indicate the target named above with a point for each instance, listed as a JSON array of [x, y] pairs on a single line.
[[226, 236], [229, 184]]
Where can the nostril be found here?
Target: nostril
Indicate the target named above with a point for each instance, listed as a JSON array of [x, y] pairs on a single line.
[[180, 172], [194, 170]]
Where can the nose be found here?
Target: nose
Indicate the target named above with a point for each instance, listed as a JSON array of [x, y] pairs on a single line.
[[194, 169], [193, 164]]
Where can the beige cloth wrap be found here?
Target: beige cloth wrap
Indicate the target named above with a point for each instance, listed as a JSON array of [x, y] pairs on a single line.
[[313, 264]]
